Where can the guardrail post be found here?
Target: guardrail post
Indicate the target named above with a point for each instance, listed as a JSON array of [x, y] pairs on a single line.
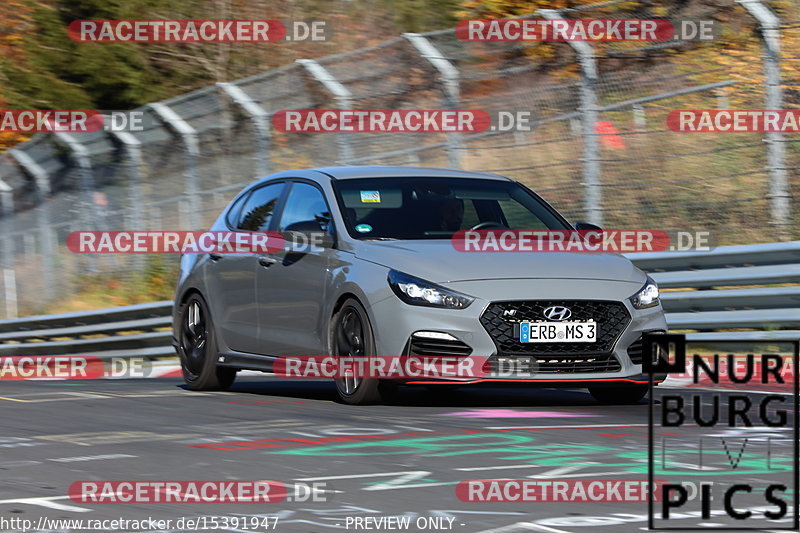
[[779, 195], [192, 147], [450, 78], [589, 115], [341, 94], [43, 190], [260, 120]]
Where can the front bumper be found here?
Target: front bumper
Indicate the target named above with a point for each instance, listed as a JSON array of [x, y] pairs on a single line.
[[394, 323]]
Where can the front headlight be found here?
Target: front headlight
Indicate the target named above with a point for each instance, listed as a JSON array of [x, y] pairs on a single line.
[[647, 296], [416, 291]]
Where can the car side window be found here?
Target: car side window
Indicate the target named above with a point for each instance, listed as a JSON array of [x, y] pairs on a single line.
[[305, 203], [520, 218], [232, 218], [471, 217], [260, 207]]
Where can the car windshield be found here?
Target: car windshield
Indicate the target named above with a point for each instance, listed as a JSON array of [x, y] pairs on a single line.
[[435, 208]]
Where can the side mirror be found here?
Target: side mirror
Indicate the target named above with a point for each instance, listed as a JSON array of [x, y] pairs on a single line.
[[302, 235], [585, 226]]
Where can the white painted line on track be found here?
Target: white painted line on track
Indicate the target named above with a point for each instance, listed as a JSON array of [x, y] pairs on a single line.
[[501, 467], [522, 526], [49, 503]]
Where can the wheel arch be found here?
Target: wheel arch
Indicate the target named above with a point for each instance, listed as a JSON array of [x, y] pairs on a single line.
[[358, 295]]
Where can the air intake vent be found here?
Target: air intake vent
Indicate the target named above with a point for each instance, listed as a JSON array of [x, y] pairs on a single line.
[[425, 346]]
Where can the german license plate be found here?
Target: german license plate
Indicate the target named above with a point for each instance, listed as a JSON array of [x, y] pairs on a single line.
[[558, 331]]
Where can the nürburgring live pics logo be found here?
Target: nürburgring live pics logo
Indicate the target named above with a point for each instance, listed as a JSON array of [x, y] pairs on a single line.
[[737, 435]]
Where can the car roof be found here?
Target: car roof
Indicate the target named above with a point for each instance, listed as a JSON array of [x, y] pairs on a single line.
[[380, 171]]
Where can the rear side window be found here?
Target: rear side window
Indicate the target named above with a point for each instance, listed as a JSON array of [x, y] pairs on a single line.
[[260, 207]]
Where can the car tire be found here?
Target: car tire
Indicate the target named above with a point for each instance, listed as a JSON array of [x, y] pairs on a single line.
[[197, 349], [351, 336], [619, 394]]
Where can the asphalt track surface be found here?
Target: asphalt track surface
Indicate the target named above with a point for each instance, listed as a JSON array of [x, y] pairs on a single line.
[[404, 460]]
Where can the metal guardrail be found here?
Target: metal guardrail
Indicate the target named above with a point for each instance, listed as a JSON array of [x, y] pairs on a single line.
[[782, 253], [693, 301], [82, 318], [132, 331]]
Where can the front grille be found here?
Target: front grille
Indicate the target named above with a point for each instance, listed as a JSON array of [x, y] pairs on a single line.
[[437, 347], [501, 320], [565, 364]]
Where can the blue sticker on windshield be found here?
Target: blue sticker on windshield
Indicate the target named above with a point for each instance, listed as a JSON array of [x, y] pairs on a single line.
[[363, 228]]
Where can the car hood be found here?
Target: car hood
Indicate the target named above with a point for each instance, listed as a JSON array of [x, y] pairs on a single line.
[[440, 262]]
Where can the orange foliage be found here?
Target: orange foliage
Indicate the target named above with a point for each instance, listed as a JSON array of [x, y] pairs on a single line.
[[16, 22]]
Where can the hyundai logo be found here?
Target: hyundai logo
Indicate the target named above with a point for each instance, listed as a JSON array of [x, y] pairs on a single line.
[[557, 312]]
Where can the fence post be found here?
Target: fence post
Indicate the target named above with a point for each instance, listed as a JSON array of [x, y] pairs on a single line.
[[341, 94], [779, 195], [7, 260], [6, 212], [260, 120], [92, 215], [43, 190], [452, 88], [192, 146], [10, 292], [31, 168], [133, 160], [589, 115], [6, 199], [639, 117]]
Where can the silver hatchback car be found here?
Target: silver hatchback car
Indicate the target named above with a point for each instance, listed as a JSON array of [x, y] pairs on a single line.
[[388, 280]]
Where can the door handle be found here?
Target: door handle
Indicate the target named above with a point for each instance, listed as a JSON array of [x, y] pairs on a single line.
[[266, 262], [215, 257]]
